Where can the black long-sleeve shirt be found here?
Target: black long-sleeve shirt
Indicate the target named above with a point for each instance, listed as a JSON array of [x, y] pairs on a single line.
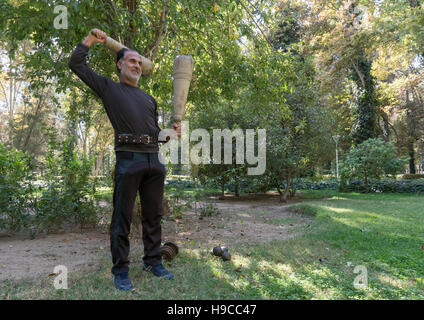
[[130, 109]]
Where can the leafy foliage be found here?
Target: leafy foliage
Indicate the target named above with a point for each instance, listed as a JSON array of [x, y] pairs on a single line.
[[370, 159], [66, 196], [16, 189], [302, 72], [413, 176], [365, 127], [385, 185]]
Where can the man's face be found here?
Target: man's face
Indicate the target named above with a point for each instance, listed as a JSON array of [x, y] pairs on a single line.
[[131, 66]]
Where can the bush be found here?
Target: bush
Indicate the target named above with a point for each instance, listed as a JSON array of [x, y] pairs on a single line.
[[306, 184], [413, 176], [16, 189], [66, 194], [180, 183], [386, 185], [371, 159]]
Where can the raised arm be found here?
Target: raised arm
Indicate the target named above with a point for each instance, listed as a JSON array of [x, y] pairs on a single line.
[[78, 63]]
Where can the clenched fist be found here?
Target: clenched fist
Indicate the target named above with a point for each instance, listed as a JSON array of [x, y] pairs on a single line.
[[177, 128], [95, 36]]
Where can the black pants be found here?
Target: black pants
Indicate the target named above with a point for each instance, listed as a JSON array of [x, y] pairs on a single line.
[[142, 172]]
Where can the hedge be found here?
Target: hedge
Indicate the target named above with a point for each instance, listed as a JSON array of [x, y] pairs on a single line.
[[413, 176], [383, 185], [386, 185]]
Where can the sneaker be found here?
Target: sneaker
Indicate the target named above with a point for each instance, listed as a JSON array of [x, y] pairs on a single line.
[[158, 270], [122, 281]]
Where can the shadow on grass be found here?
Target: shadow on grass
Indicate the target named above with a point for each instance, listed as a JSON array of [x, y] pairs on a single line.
[[318, 265]]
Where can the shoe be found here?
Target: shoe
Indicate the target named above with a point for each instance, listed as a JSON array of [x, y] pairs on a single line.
[[122, 281], [158, 270]]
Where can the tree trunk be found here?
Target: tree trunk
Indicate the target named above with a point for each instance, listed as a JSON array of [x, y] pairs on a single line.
[[284, 197], [411, 157], [103, 163], [131, 6], [98, 164], [237, 189], [279, 190], [33, 123], [222, 189], [366, 119], [366, 181]]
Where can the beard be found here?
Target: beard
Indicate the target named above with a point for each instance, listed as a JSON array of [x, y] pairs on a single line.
[[130, 75]]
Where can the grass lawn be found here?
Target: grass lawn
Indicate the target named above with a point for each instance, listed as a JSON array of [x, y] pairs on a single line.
[[382, 233]]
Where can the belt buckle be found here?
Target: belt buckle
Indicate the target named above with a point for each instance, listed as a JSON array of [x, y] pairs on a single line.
[[149, 139]]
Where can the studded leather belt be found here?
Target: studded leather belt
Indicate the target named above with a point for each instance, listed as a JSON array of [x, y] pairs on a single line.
[[136, 139]]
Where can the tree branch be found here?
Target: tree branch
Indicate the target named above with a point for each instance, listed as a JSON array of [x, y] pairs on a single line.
[[160, 34], [254, 21], [5, 94], [361, 76]]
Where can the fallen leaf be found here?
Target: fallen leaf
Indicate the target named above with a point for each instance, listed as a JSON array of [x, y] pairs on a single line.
[[101, 248], [238, 268], [52, 274], [422, 247], [64, 240]]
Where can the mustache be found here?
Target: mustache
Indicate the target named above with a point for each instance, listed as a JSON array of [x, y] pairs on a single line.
[[128, 72]]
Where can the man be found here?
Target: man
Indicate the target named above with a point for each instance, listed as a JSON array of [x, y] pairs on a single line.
[[134, 117]]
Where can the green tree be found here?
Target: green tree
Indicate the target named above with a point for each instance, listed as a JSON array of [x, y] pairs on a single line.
[[298, 135], [370, 159]]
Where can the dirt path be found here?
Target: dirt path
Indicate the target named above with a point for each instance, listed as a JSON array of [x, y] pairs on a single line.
[[240, 222], [21, 258]]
